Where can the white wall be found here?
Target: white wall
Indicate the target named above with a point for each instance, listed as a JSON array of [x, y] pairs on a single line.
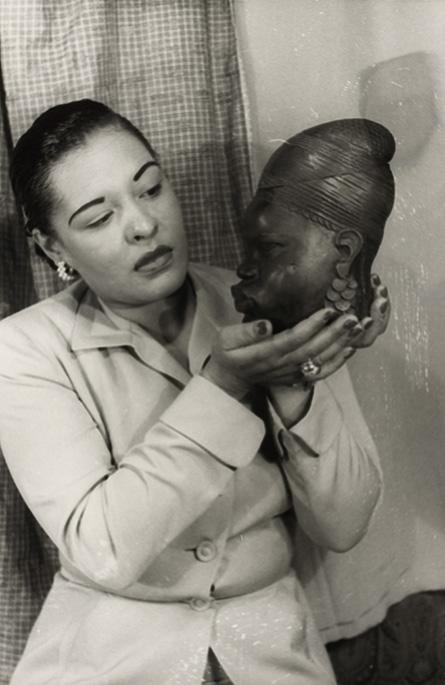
[[302, 60]]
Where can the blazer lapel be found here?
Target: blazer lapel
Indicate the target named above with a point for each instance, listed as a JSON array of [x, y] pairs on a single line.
[[214, 310], [93, 329]]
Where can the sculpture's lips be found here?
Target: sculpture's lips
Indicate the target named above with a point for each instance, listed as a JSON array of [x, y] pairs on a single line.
[[243, 303], [155, 259]]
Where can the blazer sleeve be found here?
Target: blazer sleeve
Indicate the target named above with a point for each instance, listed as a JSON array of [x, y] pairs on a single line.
[[331, 465], [111, 521]]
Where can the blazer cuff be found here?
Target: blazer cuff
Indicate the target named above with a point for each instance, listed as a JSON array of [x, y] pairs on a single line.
[[316, 431], [319, 428], [216, 421]]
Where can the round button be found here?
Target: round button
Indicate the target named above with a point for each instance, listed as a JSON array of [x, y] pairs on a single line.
[[200, 603], [206, 551]]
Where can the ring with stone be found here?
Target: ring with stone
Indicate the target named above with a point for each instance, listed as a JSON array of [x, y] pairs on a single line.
[[310, 368]]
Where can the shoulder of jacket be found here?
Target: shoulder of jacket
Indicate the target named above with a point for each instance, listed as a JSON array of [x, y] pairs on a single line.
[[35, 321]]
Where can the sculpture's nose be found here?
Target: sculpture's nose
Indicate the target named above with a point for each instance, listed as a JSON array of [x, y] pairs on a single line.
[[247, 270]]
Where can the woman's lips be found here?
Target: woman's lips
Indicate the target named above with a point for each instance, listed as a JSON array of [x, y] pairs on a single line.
[[154, 260]]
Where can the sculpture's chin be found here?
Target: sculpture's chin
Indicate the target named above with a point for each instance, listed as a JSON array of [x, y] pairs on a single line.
[[296, 316], [279, 325], [249, 310], [282, 317]]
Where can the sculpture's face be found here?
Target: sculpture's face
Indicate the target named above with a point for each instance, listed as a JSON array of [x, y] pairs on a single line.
[[288, 267]]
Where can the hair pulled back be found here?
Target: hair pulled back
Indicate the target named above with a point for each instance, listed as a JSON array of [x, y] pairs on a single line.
[[56, 132]]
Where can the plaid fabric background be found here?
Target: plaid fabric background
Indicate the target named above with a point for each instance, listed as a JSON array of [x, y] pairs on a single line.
[[16, 287], [170, 66]]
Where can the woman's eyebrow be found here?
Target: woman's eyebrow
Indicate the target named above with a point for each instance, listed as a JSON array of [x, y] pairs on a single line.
[[145, 166], [96, 201]]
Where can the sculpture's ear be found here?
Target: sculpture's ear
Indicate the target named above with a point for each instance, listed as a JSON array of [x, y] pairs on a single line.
[[349, 243]]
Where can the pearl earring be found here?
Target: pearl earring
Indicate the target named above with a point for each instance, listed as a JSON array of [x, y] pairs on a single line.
[[65, 272]]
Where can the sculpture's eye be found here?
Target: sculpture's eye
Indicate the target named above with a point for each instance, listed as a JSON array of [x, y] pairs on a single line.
[[269, 247]]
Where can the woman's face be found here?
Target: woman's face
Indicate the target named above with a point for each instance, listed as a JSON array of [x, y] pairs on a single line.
[[117, 220], [288, 267]]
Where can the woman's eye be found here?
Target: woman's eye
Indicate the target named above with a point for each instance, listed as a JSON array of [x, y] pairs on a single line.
[[153, 191], [100, 221]]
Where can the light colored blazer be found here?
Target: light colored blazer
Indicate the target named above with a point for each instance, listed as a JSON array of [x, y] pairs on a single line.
[[175, 531]]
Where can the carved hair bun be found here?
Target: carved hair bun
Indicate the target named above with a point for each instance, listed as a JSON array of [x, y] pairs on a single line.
[[362, 135], [337, 172]]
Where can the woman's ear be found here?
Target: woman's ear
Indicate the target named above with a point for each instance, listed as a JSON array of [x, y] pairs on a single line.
[[349, 243], [49, 244]]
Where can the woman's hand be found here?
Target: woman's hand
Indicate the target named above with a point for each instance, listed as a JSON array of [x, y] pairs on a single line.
[[249, 354], [377, 323]]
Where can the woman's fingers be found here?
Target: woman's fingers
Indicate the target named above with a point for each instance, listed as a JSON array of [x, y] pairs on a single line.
[[247, 354], [377, 322], [293, 346], [335, 362], [295, 377], [288, 369], [328, 362], [342, 343], [300, 334], [327, 342], [244, 334], [252, 344]]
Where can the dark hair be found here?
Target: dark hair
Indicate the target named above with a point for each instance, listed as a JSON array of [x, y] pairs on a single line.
[[56, 132]]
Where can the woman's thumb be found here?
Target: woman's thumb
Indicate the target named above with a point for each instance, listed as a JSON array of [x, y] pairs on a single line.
[[243, 334]]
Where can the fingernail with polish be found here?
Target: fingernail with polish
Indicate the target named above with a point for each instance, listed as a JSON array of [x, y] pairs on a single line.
[[367, 323], [384, 292], [261, 328], [350, 323], [383, 307], [375, 280], [330, 315], [355, 331]]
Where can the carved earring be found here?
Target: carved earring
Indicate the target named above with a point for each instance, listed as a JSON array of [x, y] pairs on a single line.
[[343, 289], [65, 272]]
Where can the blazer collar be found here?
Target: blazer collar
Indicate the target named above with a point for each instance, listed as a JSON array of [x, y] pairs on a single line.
[[214, 309], [94, 329]]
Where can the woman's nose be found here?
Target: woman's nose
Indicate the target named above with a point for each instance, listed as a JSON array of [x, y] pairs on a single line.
[[247, 270], [141, 225]]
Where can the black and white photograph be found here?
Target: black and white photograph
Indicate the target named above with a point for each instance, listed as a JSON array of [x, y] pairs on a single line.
[[222, 377]]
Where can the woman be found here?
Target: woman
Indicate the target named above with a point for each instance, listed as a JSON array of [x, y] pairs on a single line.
[[127, 423]]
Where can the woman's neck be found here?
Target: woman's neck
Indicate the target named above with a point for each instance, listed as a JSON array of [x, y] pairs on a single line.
[[166, 320]]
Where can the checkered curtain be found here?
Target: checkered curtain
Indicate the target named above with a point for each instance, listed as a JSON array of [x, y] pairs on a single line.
[[16, 286], [171, 67]]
